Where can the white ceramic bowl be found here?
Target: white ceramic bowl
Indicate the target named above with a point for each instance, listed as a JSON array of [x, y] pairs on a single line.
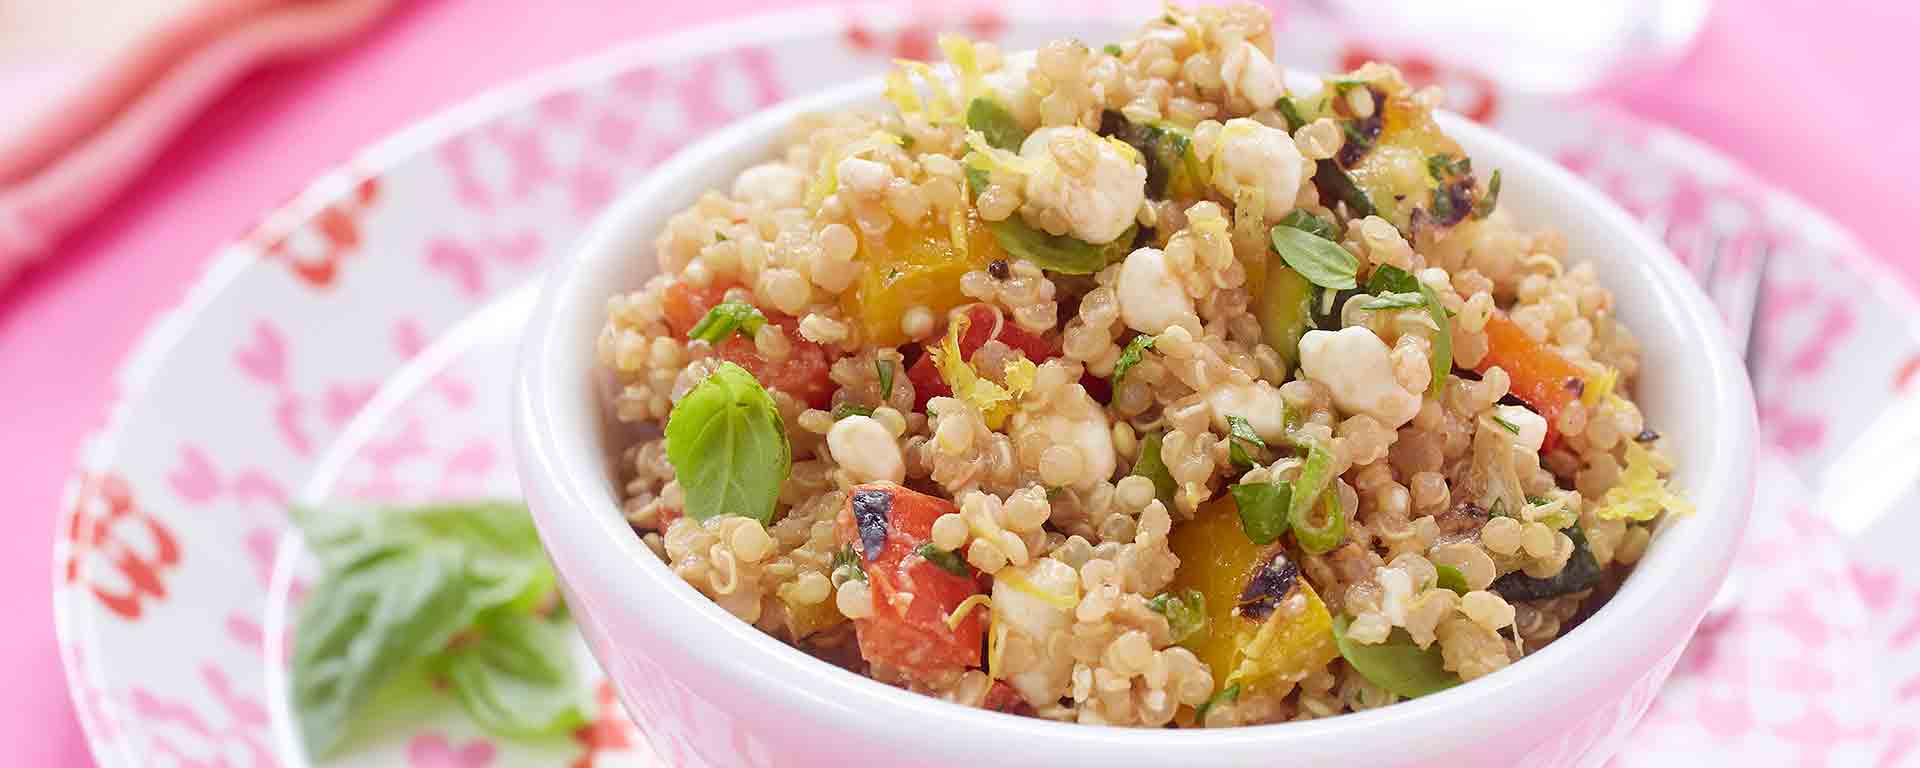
[[710, 689]]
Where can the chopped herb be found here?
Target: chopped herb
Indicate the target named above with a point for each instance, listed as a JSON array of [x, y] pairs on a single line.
[[1443, 167], [947, 561], [1224, 697], [1504, 424], [1451, 578], [1397, 665], [1112, 49], [1499, 509], [1300, 219], [727, 318], [719, 237], [728, 447], [1539, 501], [995, 123], [1484, 208], [844, 410], [1149, 466], [1169, 19], [846, 564], [1394, 301], [1387, 278], [1186, 612], [1241, 435], [906, 142], [1130, 357], [884, 368], [1290, 112], [1442, 359], [1321, 261], [1263, 509]]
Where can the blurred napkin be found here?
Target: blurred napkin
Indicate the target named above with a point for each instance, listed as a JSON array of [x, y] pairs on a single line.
[[1786, 676], [91, 90]]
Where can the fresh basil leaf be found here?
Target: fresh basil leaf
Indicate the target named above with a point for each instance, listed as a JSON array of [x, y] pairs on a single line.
[[1130, 357], [1336, 184], [1396, 665], [337, 535], [1058, 253], [1393, 301], [1226, 696], [1388, 278], [1442, 358], [1451, 578], [946, 561], [360, 625], [725, 319], [1321, 261], [1263, 509], [517, 677], [1151, 467], [1300, 219], [728, 447], [1315, 484], [1291, 113], [995, 123], [1241, 438], [884, 368], [1484, 207], [1186, 612], [1111, 49]]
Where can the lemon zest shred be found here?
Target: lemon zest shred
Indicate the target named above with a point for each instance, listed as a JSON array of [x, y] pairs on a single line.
[[1057, 600], [960, 611], [1599, 387], [1021, 373], [966, 62], [1640, 494], [995, 631], [993, 401]]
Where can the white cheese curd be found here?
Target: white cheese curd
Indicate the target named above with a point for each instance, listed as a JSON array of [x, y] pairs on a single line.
[[1151, 297], [866, 451], [1355, 366], [778, 185], [1252, 155], [1530, 428], [1256, 401], [1098, 201], [1252, 75]]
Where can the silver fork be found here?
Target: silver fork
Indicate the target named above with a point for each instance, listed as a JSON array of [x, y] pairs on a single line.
[[1737, 295]]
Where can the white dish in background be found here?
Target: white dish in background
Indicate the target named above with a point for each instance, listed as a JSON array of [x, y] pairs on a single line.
[[271, 367]]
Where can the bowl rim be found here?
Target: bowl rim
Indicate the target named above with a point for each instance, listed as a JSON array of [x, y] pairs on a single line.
[[1615, 642]]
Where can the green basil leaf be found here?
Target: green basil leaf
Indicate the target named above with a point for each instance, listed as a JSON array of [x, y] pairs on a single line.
[[338, 535], [1186, 612], [1397, 665], [995, 123], [1388, 278], [1442, 359], [946, 561], [1263, 509], [1314, 485], [728, 447], [1130, 357], [1241, 438], [1393, 301], [1058, 253], [1485, 205], [1151, 467], [1321, 261], [1111, 49], [1300, 219], [727, 318], [361, 624], [517, 677], [1451, 578]]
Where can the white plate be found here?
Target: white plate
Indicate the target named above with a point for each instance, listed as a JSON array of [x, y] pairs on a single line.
[[358, 345]]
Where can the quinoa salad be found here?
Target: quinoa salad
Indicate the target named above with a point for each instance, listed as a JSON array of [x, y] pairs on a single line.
[[1117, 383]]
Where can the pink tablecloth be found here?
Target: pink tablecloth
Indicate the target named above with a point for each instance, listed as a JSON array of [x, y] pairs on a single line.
[[1800, 90]]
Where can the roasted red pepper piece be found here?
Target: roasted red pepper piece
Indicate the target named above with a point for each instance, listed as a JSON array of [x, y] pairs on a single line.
[[805, 374], [912, 597]]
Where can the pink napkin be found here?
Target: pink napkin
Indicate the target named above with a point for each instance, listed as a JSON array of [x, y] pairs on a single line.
[[1788, 676], [96, 132]]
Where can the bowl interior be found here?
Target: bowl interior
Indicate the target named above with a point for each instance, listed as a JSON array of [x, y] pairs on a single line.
[[1691, 387]]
